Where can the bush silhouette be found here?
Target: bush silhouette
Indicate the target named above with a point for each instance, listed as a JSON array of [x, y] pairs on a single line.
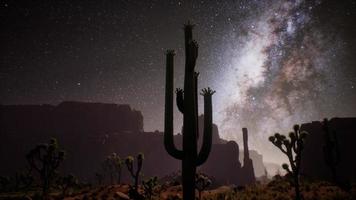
[[202, 182], [112, 165], [64, 183], [149, 187], [187, 103], [22, 180]]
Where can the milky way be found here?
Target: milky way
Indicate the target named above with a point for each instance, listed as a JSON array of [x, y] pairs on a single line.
[[272, 63], [278, 75]]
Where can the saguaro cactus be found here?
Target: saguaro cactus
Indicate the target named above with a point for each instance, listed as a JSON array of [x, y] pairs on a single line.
[[293, 148], [187, 104], [331, 150]]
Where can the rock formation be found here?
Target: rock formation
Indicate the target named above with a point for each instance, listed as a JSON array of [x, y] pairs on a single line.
[[89, 132], [248, 165], [313, 161], [72, 118], [257, 161], [223, 164]]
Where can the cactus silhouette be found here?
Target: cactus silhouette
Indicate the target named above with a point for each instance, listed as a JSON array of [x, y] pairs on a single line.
[[293, 148], [45, 159], [129, 161], [331, 149], [187, 104], [112, 165]]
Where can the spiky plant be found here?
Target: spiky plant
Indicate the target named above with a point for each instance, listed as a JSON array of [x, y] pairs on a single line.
[[135, 174], [149, 186], [45, 159], [292, 148], [202, 183], [187, 103], [112, 165]]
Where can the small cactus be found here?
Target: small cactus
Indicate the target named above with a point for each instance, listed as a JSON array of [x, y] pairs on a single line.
[[45, 159], [129, 161], [293, 148], [112, 165]]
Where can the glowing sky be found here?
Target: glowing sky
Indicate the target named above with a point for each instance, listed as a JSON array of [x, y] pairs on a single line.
[[273, 63], [283, 71]]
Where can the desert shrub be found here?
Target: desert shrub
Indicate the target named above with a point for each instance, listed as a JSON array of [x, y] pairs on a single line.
[[149, 187]]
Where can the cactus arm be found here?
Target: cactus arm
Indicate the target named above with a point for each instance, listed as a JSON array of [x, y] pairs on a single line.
[[196, 75], [283, 150], [129, 165], [274, 141], [208, 126], [168, 119], [180, 99]]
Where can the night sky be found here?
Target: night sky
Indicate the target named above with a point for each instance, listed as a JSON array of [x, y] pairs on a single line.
[[272, 63]]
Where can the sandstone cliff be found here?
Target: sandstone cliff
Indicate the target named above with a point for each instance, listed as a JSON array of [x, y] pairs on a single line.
[[91, 131]]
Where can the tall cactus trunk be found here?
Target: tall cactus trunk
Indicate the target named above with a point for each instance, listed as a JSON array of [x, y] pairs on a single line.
[[189, 124], [188, 105]]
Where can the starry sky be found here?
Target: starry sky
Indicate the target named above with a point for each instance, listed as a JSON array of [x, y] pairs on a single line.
[[273, 63]]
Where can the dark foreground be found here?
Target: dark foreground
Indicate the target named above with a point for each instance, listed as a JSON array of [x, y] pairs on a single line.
[[274, 190]]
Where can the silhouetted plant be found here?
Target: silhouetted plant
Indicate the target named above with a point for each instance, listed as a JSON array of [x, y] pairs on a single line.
[[4, 183], [293, 148], [20, 181], [45, 159], [129, 161], [187, 103], [64, 183], [112, 165], [331, 149], [149, 187], [23, 180], [202, 182], [99, 178]]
